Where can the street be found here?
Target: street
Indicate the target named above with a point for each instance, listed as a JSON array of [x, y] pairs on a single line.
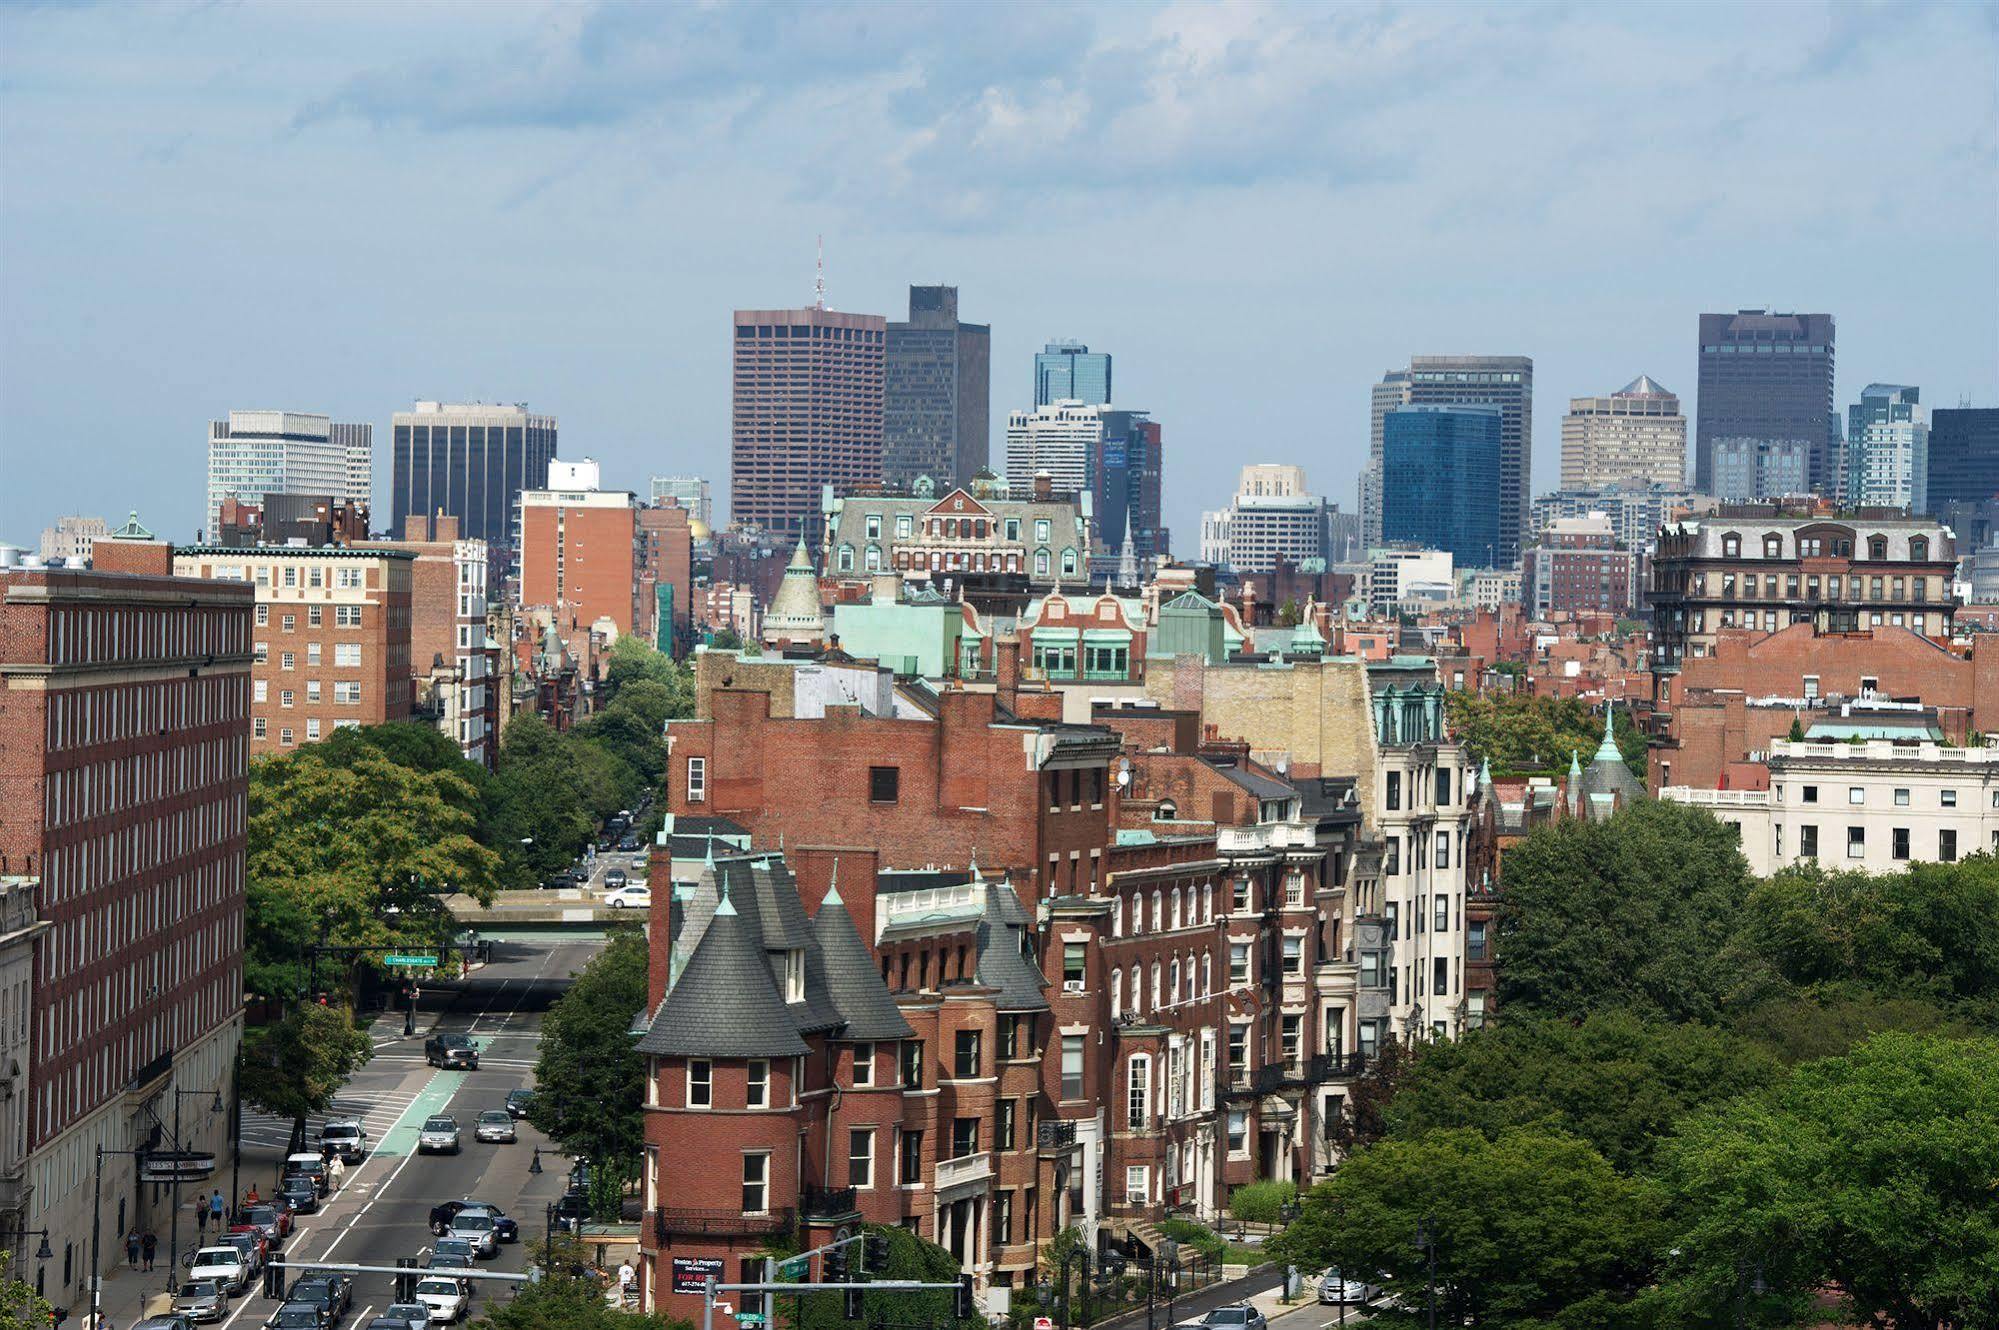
[[382, 1208]]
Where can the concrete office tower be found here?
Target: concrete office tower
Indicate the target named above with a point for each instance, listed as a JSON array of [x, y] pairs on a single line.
[[1888, 449], [807, 413], [936, 385], [1441, 481], [1061, 438], [1767, 376], [1505, 382], [1071, 372], [1273, 517], [692, 493], [1635, 437], [255, 453], [1390, 393], [357, 446], [469, 460], [1746, 469], [1114, 454], [1964, 456], [71, 538]]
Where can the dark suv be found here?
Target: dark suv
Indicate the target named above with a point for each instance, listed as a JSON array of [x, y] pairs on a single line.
[[451, 1050]]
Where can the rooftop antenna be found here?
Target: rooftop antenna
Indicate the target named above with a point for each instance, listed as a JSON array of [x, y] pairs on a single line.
[[819, 282]]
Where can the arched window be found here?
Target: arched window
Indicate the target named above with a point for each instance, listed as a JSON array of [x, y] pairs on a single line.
[[1207, 976], [1157, 975], [1041, 563], [1166, 812], [873, 561], [1773, 546], [1159, 910], [1137, 992], [1207, 902], [1069, 563], [1117, 916], [1173, 982], [1117, 993], [1179, 920]]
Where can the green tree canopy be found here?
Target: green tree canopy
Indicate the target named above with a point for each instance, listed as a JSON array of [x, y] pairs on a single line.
[[569, 1296], [1615, 1080], [1829, 1021], [1876, 1174], [1524, 735], [296, 1066], [909, 1257], [1632, 912], [590, 1077], [1365, 1120], [1532, 1228], [21, 1308]]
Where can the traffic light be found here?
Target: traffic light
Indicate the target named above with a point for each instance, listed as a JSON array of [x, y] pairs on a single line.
[[833, 1266], [962, 1307], [850, 1304], [874, 1253]]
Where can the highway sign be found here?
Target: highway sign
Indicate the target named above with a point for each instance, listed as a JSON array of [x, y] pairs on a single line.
[[414, 962]]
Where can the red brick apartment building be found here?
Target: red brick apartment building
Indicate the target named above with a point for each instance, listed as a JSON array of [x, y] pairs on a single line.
[[456, 674], [331, 643], [124, 744], [666, 559], [580, 557]]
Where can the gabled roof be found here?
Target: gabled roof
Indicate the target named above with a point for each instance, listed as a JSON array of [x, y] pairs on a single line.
[[1258, 784], [1003, 965], [972, 507], [853, 986], [725, 1004]]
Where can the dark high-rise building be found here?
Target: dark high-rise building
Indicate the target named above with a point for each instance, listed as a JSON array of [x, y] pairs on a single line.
[[1124, 477], [936, 385], [469, 460], [1071, 372], [807, 413], [1505, 382], [1441, 470], [1964, 456], [1768, 377]]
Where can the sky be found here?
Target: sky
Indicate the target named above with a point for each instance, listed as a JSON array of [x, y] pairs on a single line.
[[1258, 208]]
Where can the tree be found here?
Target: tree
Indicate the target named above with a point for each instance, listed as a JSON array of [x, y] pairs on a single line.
[[1532, 1228], [909, 1257], [1262, 1202], [1797, 734], [1872, 1174], [1614, 1080], [1634, 912], [355, 849], [590, 1075], [1365, 1119], [295, 1067], [569, 1296], [635, 660], [1829, 1021], [21, 1308], [1523, 735]]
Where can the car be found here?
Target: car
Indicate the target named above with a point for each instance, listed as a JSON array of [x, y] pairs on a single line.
[[439, 1135], [452, 1051], [495, 1125], [445, 1298], [412, 1314], [346, 1138], [477, 1228], [255, 1248], [614, 879], [518, 1101], [388, 1323], [226, 1265], [1336, 1289], [571, 1211], [202, 1300], [298, 1192], [299, 1315], [329, 1289], [628, 843], [452, 1246], [165, 1321], [448, 1261], [636, 895], [556, 882], [504, 1228], [273, 1221], [1236, 1316], [577, 874], [313, 1166]]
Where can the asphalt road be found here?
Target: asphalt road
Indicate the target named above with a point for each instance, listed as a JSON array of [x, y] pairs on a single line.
[[382, 1209]]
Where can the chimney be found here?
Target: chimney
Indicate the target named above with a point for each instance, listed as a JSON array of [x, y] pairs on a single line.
[[1044, 486]]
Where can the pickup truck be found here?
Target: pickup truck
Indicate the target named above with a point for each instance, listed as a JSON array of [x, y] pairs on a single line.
[[452, 1051], [225, 1265]]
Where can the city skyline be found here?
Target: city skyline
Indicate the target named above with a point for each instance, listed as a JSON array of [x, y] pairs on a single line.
[[615, 318]]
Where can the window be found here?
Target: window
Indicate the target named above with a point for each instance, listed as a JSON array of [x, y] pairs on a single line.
[[1239, 1052], [315, 616], [1809, 794], [291, 577], [1294, 889], [964, 1137], [1075, 958], [260, 727], [348, 578], [883, 784], [1731, 547], [1238, 962], [347, 654], [287, 660], [260, 691], [349, 693], [311, 730], [1392, 915], [1856, 794], [285, 697], [1900, 843], [1005, 1123], [312, 690], [1137, 1184], [1856, 842], [1003, 1219], [1239, 895], [1440, 977], [1294, 955], [1290, 1036], [700, 1084], [756, 1182], [346, 616], [1394, 794], [1072, 1066], [1475, 940], [1946, 845], [967, 1062], [1238, 1131], [758, 1093], [1391, 865], [1041, 531], [263, 616], [1441, 919], [1947, 798], [1808, 842], [1009, 1035], [1901, 798], [909, 1157], [312, 653], [1443, 849], [912, 1063]]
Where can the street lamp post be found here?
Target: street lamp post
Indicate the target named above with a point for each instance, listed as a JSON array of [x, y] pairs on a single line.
[[180, 1152], [42, 1257], [1426, 1242]]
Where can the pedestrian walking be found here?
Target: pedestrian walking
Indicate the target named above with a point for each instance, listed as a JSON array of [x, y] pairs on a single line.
[[132, 1249], [149, 1246], [200, 1216], [215, 1207]]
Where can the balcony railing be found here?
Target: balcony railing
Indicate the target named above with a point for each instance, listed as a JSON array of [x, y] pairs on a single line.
[[964, 1169], [1239, 1083], [668, 1223], [1054, 1135], [827, 1202]]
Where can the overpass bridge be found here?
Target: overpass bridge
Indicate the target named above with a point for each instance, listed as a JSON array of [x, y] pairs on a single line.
[[531, 915]]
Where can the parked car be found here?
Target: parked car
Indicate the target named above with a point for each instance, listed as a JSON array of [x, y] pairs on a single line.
[[518, 1101], [634, 895], [165, 1321], [347, 1138], [298, 1192], [477, 1228], [452, 1051], [256, 1250], [1335, 1289], [226, 1265], [571, 1211], [504, 1228], [577, 874], [614, 879], [1237, 1316], [439, 1135], [202, 1300], [444, 1296], [412, 1314], [273, 1221], [313, 1166], [497, 1126], [298, 1316]]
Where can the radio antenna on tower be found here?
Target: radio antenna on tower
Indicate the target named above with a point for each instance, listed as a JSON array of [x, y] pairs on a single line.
[[819, 282]]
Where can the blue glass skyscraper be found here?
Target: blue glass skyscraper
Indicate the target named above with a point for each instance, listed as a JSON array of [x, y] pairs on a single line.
[[1440, 481], [1070, 371]]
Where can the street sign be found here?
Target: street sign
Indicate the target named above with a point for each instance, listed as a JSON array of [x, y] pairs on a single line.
[[794, 1271], [414, 962]]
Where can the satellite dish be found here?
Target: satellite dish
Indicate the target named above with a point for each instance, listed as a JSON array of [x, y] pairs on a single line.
[[1123, 772]]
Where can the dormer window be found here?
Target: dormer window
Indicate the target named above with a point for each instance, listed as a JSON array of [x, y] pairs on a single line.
[[794, 975], [1919, 549], [1731, 546], [1877, 547], [1773, 547]]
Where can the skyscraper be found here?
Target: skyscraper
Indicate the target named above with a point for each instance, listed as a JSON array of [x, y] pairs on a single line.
[[1635, 437], [469, 460], [1071, 372], [1114, 454], [1506, 382], [254, 453], [807, 413], [936, 382], [690, 492], [1964, 456], [1060, 438], [1767, 376], [1888, 449], [1746, 469], [1441, 486], [357, 445], [1390, 393]]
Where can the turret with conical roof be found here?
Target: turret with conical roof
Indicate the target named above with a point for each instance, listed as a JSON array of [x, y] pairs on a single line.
[[794, 611]]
